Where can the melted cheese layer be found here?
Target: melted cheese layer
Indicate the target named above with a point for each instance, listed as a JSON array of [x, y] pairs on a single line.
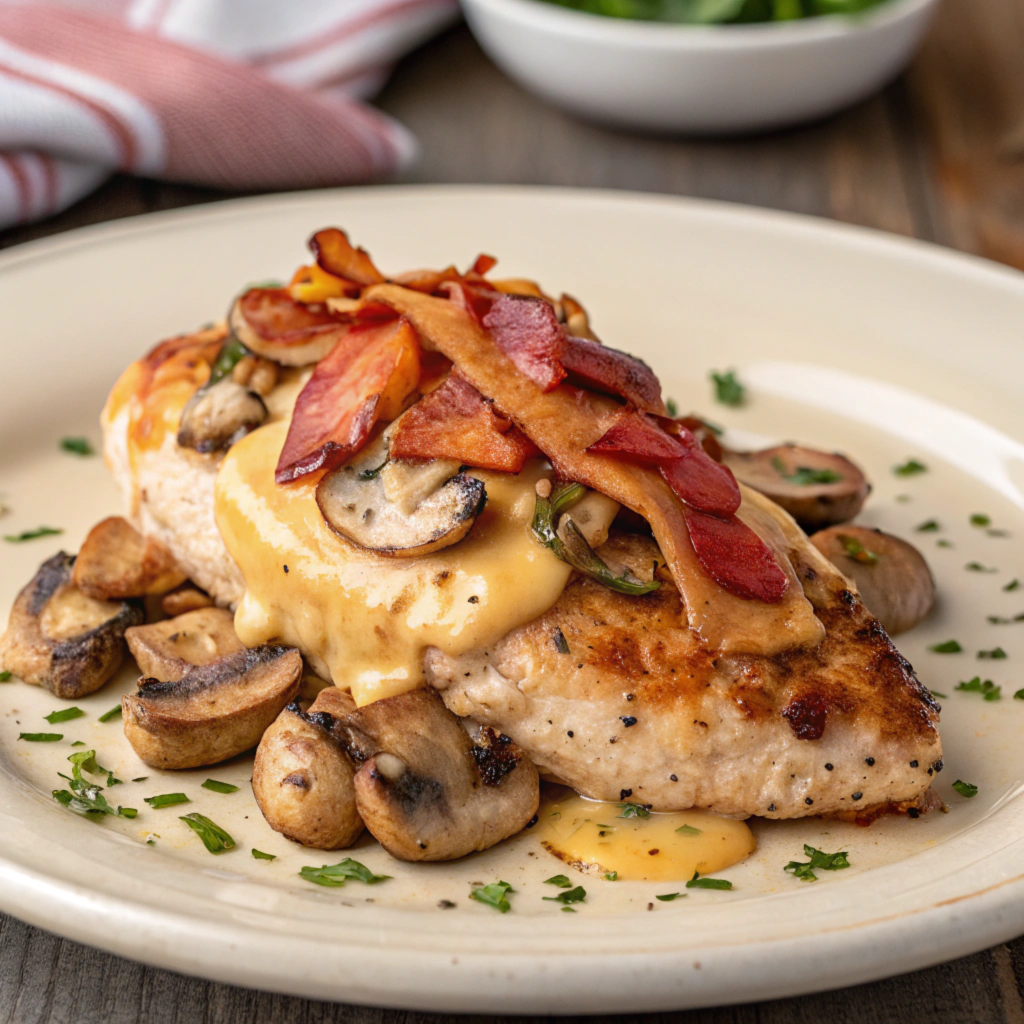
[[364, 620]]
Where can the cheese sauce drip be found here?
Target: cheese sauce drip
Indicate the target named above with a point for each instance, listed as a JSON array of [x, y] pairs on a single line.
[[594, 837], [364, 620]]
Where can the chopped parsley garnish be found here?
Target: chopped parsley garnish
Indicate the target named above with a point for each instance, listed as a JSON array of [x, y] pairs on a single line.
[[141, 778], [64, 716], [819, 861], [494, 895], [85, 798], [372, 474], [41, 737], [996, 654], [978, 567], [260, 855], [928, 526], [728, 390], [77, 446], [910, 468], [5, 676], [214, 838], [634, 811], [697, 882], [562, 881], [987, 689], [980, 519], [943, 543], [670, 896], [689, 830], [1019, 695], [935, 693], [111, 714], [965, 789], [806, 476], [1000, 620], [41, 531], [577, 895], [85, 761], [1012, 585], [166, 800], [613, 876], [338, 874], [671, 408], [561, 644], [219, 787], [855, 550], [947, 647]]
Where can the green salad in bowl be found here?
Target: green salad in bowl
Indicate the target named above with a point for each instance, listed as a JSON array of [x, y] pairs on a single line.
[[717, 12]]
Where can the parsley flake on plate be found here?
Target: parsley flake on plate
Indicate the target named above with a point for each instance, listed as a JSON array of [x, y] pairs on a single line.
[[689, 830], [806, 476], [928, 526], [728, 389], [980, 519], [562, 881], [41, 737], [336, 875], [698, 882], [108, 716], [634, 811], [910, 468], [1012, 585], [214, 838], [978, 567], [260, 855], [613, 876], [65, 715], [670, 896], [86, 798], [39, 531], [219, 787], [494, 895], [819, 861], [965, 789], [77, 446], [166, 800], [987, 689], [576, 895], [5, 676], [946, 647], [671, 407], [996, 654]]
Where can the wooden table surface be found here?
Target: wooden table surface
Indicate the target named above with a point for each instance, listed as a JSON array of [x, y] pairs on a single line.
[[938, 155]]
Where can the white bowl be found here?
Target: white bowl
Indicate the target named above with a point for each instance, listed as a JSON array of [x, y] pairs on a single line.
[[700, 79]]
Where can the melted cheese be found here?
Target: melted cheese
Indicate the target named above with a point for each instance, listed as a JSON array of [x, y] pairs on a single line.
[[591, 836], [364, 620]]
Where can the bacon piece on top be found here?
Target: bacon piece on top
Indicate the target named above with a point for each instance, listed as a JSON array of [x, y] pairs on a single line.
[[368, 376], [338, 256], [456, 422]]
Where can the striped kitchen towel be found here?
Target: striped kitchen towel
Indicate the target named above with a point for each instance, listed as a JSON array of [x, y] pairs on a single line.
[[237, 94]]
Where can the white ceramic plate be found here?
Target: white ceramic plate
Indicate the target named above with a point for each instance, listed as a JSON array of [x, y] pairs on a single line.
[[849, 339]]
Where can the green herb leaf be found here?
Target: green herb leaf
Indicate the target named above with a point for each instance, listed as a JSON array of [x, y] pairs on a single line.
[[697, 882], [671, 408], [1012, 585], [910, 468], [214, 838], [78, 743], [689, 830], [260, 855], [562, 881], [572, 547], [54, 717], [965, 789], [577, 895], [141, 778], [947, 647], [978, 567], [728, 389], [980, 519], [5, 676], [77, 446], [928, 526], [339, 874], [166, 800], [943, 543], [935, 693], [372, 474], [232, 352], [41, 737], [568, 910], [41, 531], [634, 811], [987, 689], [219, 787], [89, 801], [613, 876], [806, 476], [111, 714], [819, 861], [801, 870], [996, 654], [85, 761], [1019, 695], [494, 895], [855, 550], [670, 896]]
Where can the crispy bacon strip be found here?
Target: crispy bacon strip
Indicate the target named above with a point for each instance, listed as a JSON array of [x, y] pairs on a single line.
[[697, 479], [338, 256], [528, 332], [563, 423], [368, 376], [456, 422], [275, 316]]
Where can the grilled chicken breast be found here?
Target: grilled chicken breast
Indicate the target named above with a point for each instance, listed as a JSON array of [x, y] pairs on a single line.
[[614, 696]]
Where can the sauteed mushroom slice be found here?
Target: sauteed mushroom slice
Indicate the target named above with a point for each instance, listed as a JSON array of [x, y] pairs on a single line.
[[425, 789], [303, 780], [816, 488], [62, 639], [116, 561], [167, 650], [220, 414], [401, 508], [892, 576], [214, 711], [186, 598]]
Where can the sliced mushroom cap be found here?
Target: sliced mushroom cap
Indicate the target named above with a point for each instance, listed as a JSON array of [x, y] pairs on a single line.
[[816, 488], [406, 509], [303, 780], [60, 638], [167, 650], [219, 415], [425, 789], [310, 342], [186, 598], [214, 711], [116, 561], [892, 576]]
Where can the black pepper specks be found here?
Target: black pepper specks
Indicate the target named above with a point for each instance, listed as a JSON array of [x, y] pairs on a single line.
[[627, 720], [286, 568], [532, 822], [913, 764], [623, 793], [828, 767], [569, 734], [771, 807], [808, 801], [913, 812], [857, 796], [629, 696], [674, 778], [474, 599], [869, 761], [938, 766]]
